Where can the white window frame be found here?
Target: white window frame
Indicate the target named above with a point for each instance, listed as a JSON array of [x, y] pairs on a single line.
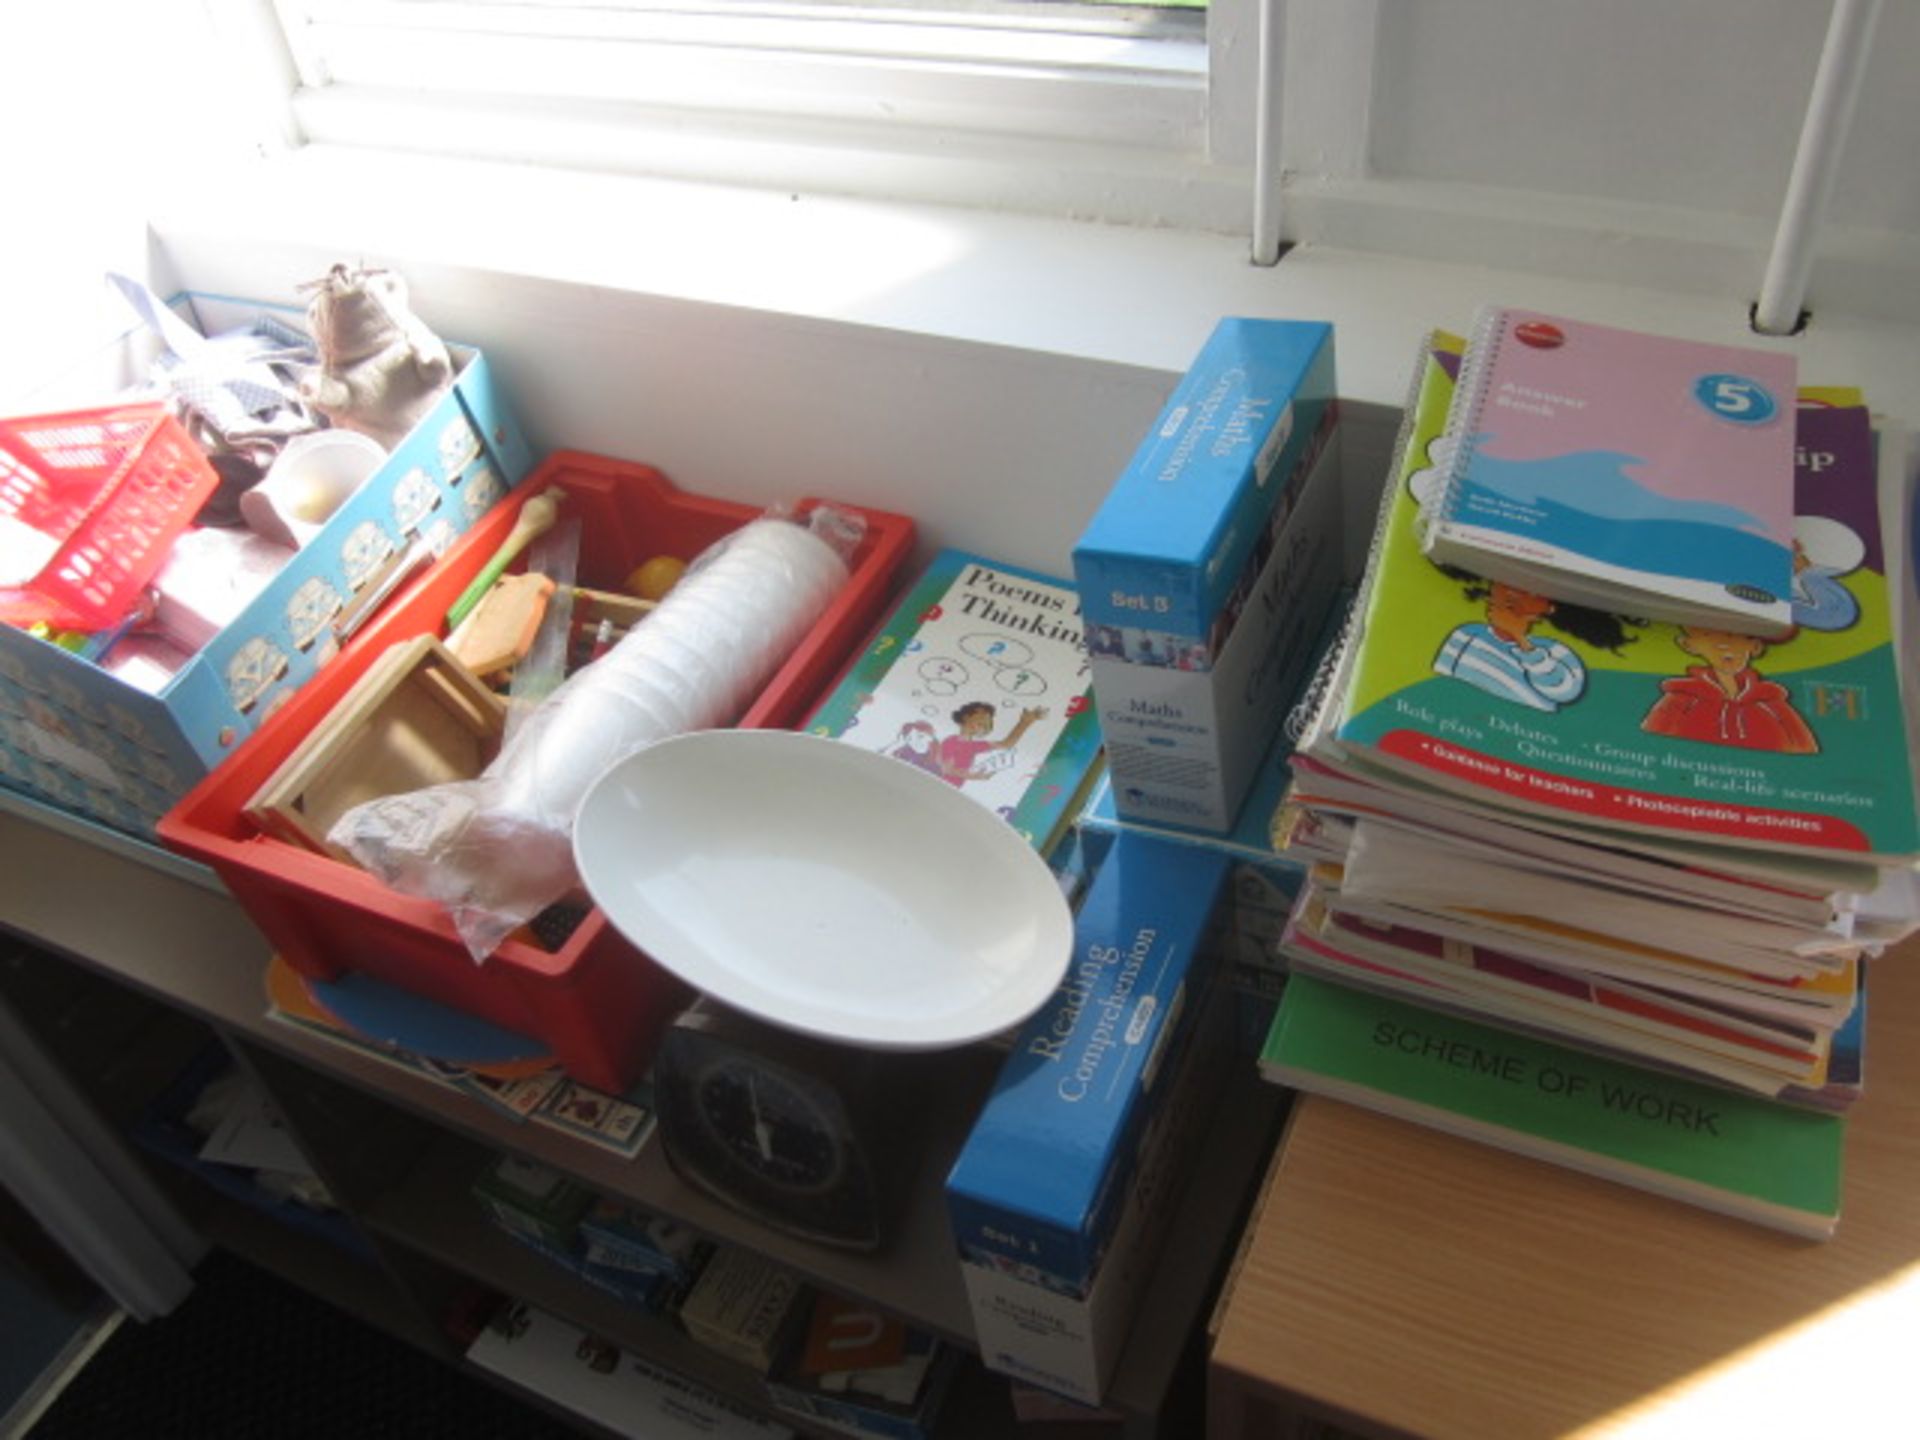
[[910, 101]]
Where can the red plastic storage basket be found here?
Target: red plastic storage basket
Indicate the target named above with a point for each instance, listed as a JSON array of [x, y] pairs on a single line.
[[597, 1001], [110, 490]]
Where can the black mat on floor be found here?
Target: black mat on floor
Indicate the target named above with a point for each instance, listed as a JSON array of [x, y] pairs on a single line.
[[247, 1355]]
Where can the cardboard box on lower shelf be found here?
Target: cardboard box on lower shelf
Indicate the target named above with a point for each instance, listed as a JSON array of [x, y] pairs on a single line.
[[743, 1306], [555, 1217]]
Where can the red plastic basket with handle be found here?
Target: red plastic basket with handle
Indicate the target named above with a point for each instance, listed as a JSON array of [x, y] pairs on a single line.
[[105, 492]]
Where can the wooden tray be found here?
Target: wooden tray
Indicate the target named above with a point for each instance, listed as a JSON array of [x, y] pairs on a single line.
[[418, 717]]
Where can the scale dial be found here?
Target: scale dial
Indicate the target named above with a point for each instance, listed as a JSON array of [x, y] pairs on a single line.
[[802, 1134], [776, 1128]]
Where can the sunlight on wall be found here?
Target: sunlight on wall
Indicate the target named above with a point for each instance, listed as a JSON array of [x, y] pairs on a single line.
[[734, 247], [129, 113], [830, 260], [103, 113]]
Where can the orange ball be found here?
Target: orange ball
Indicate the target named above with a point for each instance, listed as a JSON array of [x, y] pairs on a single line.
[[653, 579]]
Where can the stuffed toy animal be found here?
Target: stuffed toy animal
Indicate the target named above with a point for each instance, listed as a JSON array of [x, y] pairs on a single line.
[[381, 369]]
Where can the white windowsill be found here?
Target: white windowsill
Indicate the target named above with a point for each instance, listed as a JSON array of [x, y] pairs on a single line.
[[987, 374], [1133, 295]]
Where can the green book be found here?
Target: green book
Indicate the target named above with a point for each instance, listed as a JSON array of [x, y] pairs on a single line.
[[1762, 1161]]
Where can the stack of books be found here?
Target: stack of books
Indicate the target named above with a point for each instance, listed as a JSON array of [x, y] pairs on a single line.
[[1598, 886]]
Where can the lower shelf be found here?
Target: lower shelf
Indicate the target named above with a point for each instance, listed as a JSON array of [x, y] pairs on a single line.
[[431, 1212], [364, 1121], [361, 1288]]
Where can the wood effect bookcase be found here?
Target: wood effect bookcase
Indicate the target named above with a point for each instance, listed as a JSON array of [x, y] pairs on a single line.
[[139, 960], [1397, 1281]]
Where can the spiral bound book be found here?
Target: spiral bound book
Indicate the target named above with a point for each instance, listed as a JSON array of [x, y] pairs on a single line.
[[1626, 471]]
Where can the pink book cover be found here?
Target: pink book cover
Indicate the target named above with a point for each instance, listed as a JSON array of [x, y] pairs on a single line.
[[1659, 463]]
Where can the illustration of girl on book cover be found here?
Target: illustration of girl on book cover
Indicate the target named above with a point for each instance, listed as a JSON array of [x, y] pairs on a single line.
[[970, 753], [917, 744]]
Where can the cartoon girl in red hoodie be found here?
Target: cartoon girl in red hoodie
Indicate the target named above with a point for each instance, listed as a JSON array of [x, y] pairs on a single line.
[[1725, 701]]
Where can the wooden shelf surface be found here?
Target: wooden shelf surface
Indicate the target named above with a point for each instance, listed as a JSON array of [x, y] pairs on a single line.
[[130, 911], [1400, 1279]]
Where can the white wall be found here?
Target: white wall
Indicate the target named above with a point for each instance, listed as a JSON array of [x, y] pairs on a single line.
[[1654, 102], [110, 110], [1639, 141], [986, 374], [997, 448]]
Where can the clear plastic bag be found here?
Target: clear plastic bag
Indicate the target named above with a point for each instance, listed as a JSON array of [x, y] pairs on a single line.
[[498, 849]]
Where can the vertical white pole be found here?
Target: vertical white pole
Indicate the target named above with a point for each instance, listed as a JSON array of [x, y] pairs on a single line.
[[1266, 139], [1823, 137]]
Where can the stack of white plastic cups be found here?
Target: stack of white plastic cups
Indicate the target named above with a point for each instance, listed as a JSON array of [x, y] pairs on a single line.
[[695, 663]]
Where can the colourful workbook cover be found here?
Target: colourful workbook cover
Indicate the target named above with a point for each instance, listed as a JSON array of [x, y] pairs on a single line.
[[1739, 1154], [1712, 1038], [1435, 873], [1818, 999], [980, 676], [1622, 469], [1532, 706]]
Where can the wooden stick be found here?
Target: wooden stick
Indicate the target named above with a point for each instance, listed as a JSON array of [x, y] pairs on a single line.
[[536, 518]]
